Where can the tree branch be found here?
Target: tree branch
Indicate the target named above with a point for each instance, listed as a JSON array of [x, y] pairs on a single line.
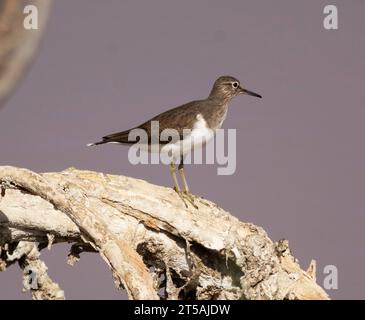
[[35, 277], [154, 245], [117, 252]]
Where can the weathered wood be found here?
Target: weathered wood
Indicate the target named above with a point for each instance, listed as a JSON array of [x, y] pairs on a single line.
[[152, 242]]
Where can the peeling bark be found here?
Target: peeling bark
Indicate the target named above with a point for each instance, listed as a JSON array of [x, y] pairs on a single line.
[[154, 245]]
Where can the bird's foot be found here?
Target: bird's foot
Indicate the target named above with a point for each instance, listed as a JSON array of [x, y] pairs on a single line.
[[186, 196], [178, 191], [191, 198]]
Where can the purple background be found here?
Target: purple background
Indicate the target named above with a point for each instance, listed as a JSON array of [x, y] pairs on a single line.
[[105, 66]]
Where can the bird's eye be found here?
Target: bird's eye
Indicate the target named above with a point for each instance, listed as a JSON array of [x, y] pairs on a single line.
[[235, 84]]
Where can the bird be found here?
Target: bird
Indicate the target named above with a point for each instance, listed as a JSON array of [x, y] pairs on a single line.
[[201, 117]]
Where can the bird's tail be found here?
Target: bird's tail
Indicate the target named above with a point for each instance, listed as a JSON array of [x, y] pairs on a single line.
[[95, 143], [120, 137]]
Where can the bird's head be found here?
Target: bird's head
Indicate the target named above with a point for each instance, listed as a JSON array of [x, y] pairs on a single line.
[[227, 87]]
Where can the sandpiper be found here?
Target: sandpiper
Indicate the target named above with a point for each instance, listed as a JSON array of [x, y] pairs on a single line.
[[201, 118]]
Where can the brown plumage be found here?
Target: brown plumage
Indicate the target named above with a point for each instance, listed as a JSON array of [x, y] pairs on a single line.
[[202, 117], [213, 109]]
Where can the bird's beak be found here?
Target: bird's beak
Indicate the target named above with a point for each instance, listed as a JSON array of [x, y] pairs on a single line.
[[250, 93]]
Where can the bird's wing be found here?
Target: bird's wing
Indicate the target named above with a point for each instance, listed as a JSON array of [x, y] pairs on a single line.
[[171, 122]]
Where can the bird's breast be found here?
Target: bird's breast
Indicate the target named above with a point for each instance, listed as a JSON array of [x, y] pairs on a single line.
[[197, 137], [215, 115], [222, 118]]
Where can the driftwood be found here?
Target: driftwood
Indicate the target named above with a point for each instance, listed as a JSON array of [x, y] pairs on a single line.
[[154, 245], [18, 45]]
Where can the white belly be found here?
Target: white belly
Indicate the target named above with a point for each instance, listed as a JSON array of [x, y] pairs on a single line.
[[197, 138]]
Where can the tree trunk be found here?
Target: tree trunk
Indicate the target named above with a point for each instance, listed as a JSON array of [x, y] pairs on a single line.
[[154, 245]]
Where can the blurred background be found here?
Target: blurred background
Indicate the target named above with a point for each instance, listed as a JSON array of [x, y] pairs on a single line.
[[105, 66]]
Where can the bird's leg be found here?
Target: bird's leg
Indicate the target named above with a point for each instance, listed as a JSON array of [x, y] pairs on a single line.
[[176, 184], [182, 174], [186, 190], [174, 178]]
